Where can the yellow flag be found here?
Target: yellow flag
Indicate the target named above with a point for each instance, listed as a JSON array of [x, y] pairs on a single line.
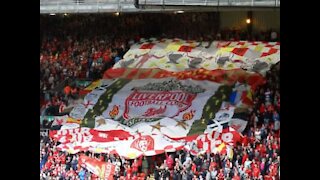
[[70, 151], [173, 47], [258, 48], [98, 150], [132, 155], [249, 94], [221, 146], [101, 171], [227, 49], [230, 153], [72, 120], [93, 85]]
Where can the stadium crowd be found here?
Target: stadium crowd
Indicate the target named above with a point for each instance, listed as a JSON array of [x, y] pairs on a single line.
[[62, 61], [83, 48], [257, 157]]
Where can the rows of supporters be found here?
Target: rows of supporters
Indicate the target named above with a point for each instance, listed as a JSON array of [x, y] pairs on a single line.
[[84, 46]]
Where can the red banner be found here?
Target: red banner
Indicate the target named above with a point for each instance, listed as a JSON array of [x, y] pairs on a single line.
[[147, 46], [88, 135], [102, 169]]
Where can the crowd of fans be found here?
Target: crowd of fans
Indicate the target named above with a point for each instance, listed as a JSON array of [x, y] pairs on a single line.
[[84, 46], [62, 61], [125, 27]]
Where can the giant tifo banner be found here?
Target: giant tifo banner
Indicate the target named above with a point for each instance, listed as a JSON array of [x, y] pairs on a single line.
[[146, 145], [150, 145], [179, 55], [147, 100]]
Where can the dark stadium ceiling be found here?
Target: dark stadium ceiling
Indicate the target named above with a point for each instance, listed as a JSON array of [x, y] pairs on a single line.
[[96, 6]]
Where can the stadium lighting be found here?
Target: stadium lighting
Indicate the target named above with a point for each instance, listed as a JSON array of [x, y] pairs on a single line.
[[117, 13], [65, 14], [248, 21], [52, 14], [180, 11]]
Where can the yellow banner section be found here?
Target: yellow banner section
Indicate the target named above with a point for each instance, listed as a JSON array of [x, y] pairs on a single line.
[[227, 49], [72, 120], [221, 146], [93, 85], [258, 48], [173, 47]]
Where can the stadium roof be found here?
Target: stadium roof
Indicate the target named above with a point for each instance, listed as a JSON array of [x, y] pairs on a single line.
[[96, 6]]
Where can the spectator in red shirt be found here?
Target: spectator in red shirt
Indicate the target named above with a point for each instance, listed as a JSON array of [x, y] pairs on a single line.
[[213, 164], [135, 167], [273, 170], [256, 172], [220, 175], [128, 172], [140, 164], [245, 140], [236, 177], [276, 147], [106, 56], [194, 168], [169, 161], [262, 149], [262, 108], [270, 108], [244, 157]]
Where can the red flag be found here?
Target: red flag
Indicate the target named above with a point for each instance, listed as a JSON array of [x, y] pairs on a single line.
[[107, 136], [147, 46], [239, 51], [272, 50], [102, 169], [185, 48]]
